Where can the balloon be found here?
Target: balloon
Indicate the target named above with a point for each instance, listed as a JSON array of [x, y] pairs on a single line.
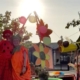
[[65, 43], [22, 20], [43, 29], [32, 19], [46, 40]]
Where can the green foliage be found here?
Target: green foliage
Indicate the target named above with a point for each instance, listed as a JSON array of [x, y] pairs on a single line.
[[42, 73], [27, 44], [14, 25], [73, 23]]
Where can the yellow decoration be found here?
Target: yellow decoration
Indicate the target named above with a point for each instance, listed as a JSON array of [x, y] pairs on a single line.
[[71, 47], [32, 19]]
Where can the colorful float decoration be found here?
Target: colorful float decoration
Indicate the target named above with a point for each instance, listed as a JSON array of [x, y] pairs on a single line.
[[43, 31], [75, 45], [42, 52], [67, 46], [71, 46]]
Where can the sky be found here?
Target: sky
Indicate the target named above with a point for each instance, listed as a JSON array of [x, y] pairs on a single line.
[[56, 13]]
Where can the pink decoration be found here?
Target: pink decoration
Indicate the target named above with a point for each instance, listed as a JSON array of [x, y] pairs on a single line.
[[22, 20], [43, 29]]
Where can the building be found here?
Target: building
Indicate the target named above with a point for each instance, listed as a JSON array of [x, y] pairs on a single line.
[[59, 59]]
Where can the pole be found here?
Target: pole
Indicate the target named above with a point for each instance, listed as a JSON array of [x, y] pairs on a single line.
[[79, 18], [77, 65], [79, 14]]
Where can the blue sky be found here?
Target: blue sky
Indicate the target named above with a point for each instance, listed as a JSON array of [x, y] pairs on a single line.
[[54, 12]]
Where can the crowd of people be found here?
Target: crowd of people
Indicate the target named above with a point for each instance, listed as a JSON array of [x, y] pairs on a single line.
[[14, 60]]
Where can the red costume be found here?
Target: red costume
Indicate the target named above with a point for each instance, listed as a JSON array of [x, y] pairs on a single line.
[[5, 60], [5, 57]]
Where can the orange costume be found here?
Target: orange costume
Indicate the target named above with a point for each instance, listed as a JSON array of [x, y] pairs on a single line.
[[17, 64]]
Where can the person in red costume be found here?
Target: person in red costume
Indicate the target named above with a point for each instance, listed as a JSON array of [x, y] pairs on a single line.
[[5, 56]]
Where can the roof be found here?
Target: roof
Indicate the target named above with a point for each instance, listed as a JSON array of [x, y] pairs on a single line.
[[54, 45]]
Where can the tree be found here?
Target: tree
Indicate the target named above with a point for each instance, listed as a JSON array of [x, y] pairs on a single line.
[[14, 25], [73, 23]]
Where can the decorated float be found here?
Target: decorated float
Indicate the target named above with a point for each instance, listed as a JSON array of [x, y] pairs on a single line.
[[41, 55], [41, 51]]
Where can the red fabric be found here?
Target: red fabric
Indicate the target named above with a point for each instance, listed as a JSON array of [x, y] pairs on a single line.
[[5, 60]]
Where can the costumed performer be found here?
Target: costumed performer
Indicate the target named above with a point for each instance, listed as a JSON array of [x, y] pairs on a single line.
[[20, 60], [5, 56]]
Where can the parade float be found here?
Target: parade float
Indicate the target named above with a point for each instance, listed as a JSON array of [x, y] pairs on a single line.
[[41, 55], [42, 52]]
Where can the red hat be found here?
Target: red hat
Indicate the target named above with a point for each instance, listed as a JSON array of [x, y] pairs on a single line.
[[7, 34]]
